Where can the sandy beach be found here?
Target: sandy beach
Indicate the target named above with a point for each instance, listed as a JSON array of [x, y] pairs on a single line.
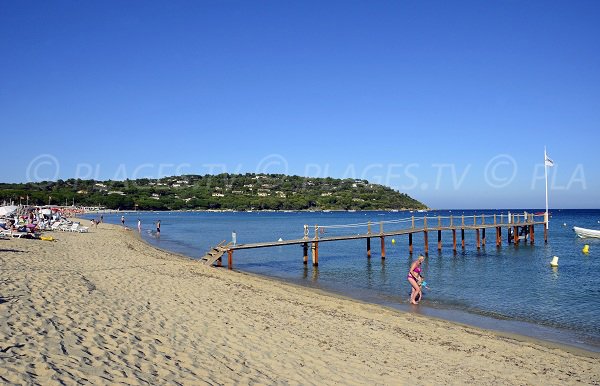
[[105, 308]]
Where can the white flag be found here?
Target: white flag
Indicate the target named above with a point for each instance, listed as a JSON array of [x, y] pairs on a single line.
[[548, 161]]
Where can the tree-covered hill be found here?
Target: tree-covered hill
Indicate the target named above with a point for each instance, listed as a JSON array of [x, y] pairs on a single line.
[[224, 191]]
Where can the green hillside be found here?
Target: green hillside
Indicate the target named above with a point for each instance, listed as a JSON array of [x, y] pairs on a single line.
[[224, 191]]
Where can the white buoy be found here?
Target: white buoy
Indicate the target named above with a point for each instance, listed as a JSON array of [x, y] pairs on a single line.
[[554, 262], [280, 239], [564, 224]]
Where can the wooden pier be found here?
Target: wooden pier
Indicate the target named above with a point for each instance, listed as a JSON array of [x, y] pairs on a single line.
[[519, 228]]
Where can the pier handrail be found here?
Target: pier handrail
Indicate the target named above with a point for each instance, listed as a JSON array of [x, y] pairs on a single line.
[[511, 218]]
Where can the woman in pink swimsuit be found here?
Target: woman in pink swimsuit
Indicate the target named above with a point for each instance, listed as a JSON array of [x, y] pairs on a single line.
[[415, 279]]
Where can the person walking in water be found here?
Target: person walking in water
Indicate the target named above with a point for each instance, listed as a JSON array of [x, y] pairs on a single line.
[[139, 226], [158, 228], [415, 279], [123, 220]]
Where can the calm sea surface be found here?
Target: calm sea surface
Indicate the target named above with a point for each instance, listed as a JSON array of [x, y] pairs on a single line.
[[511, 288]]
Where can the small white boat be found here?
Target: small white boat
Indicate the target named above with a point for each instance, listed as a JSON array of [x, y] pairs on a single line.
[[583, 232]]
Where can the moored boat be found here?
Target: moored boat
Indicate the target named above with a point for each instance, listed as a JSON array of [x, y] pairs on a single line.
[[584, 232]]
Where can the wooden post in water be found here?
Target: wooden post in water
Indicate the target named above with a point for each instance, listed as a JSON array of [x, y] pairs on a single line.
[[498, 236], [545, 232], [439, 240], [478, 241], [315, 253], [462, 237], [532, 234], [410, 243], [382, 247], [412, 221], [230, 259], [426, 242], [305, 250], [368, 247], [483, 237], [516, 234], [454, 240]]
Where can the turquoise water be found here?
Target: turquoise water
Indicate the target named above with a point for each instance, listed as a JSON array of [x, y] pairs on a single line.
[[511, 288]]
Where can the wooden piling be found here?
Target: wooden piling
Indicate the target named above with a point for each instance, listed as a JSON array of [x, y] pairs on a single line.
[[483, 237], [516, 234], [315, 253], [454, 240], [462, 237], [439, 240], [532, 234], [478, 241], [305, 250], [382, 247], [410, 243], [426, 242], [368, 247], [230, 259]]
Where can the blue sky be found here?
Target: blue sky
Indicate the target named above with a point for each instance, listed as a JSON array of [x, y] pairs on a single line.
[[451, 102]]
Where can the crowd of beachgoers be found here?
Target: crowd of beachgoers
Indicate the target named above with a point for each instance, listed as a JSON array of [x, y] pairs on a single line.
[[32, 221]]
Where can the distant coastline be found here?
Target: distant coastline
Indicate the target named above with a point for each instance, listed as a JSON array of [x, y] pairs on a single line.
[[239, 192]]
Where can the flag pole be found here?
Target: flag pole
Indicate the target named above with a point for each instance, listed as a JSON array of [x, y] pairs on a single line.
[[546, 176]]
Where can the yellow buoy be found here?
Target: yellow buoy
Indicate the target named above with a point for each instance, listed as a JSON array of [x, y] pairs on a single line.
[[586, 249], [554, 262], [393, 241]]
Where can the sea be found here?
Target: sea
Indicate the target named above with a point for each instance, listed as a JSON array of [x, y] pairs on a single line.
[[511, 288]]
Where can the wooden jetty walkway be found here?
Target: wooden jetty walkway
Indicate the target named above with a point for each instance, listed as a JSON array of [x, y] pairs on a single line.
[[520, 227]]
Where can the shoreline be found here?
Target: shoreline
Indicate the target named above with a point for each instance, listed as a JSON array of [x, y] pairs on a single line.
[[552, 335], [109, 307], [476, 321]]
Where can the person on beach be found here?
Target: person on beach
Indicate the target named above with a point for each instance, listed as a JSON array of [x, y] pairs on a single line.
[[139, 226], [158, 228], [123, 220], [415, 279], [101, 218]]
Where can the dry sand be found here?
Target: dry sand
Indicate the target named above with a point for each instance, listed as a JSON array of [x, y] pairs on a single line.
[[106, 308]]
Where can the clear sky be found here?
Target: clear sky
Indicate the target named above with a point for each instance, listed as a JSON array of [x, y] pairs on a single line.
[[451, 102]]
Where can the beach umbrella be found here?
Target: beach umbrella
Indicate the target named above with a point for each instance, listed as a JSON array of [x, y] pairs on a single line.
[[7, 210]]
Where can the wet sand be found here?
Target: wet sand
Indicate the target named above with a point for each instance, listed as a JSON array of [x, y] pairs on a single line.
[[106, 308]]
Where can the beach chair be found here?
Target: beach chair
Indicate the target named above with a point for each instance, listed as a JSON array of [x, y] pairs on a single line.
[[74, 227], [81, 229], [65, 227], [16, 234]]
